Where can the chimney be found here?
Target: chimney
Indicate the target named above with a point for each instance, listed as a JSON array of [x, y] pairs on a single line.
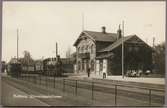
[[104, 29], [119, 32]]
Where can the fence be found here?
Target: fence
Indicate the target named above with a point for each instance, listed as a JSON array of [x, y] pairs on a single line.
[[151, 95]]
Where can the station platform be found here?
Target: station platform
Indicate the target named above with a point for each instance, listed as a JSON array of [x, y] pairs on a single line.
[[149, 80]]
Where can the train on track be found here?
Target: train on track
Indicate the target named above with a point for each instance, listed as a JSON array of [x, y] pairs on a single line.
[[47, 67]]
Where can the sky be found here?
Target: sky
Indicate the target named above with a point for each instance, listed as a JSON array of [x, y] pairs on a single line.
[[42, 24]]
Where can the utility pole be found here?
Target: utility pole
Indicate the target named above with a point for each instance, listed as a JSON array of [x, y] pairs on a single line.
[[153, 42], [122, 49], [82, 21], [153, 56], [17, 44], [56, 50]]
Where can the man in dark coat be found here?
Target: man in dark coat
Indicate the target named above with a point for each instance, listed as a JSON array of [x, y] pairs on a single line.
[[88, 71]]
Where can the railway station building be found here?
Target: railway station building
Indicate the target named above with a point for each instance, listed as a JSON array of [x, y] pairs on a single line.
[[101, 52]]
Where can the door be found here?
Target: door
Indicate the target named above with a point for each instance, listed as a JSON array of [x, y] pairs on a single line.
[[105, 66]]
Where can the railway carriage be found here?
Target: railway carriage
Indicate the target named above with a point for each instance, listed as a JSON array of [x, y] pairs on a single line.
[[14, 69]]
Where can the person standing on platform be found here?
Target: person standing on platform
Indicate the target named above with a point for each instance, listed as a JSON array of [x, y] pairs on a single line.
[[88, 71]]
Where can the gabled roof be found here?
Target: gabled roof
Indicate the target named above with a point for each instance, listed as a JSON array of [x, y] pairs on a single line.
[[124, 39], [105, 55], [116, 44], [99, 36]]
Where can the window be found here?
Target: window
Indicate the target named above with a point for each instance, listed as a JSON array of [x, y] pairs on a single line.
[[136, 48], [82, 50], [89, 48], [83, 65], [86, 48], [133, 48], [79, 65], [92, 65], [92, 46], [101, 65], [130, 48], [78, 49]]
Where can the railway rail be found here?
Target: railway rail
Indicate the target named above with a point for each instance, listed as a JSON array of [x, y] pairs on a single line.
[[152, 96]]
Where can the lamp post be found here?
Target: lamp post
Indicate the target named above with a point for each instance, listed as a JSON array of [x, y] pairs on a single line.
[[122, 49]]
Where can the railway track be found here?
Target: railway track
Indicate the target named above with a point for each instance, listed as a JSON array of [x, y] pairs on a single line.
[[157, 97]]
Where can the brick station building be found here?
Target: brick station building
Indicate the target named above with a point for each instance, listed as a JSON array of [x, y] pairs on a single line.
[[102, 52]]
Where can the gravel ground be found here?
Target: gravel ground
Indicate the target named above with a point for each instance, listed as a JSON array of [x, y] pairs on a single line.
[[83, 97]]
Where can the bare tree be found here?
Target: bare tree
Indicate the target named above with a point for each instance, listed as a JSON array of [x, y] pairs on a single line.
[[159, 58], [27, 59], [68, 52]]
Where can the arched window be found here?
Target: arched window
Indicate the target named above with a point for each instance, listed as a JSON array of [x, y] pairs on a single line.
[[78, 49], [92, 48], [87, 47], [82, 49]]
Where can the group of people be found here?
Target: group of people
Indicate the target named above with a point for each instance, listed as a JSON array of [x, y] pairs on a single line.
[[88, 73]]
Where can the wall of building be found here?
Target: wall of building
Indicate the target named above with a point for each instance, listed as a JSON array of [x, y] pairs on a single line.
[[136, 57], [135, 54], [86, 45]]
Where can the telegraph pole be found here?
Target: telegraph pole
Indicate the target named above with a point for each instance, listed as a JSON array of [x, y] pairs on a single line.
[[82, 21], [17, 44], [122, 49], [56, 49], [153, 42]]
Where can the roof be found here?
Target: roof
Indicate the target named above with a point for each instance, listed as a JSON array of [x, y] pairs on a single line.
[[99, 36], [105, 55], [38, 61], [116, 44]]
